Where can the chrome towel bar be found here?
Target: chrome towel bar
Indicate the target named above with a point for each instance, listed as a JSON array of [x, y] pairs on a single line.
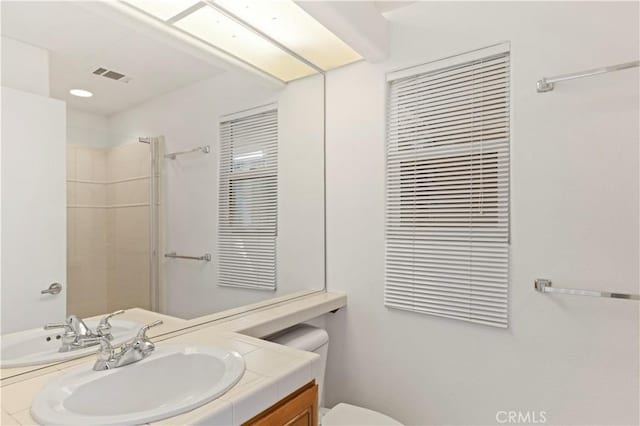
[[206, 257], [546, 83], [544, 286], [204, 149]]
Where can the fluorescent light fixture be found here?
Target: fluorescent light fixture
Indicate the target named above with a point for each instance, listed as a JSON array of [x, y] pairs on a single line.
[[290, 25], [81, 93], [254, 31], [219, 30]]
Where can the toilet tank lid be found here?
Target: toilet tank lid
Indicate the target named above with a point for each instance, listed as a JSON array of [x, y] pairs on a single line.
[[301, 336]]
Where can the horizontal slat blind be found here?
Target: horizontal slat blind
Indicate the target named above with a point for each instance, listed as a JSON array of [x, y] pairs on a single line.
[[248, 201], [447, 192]]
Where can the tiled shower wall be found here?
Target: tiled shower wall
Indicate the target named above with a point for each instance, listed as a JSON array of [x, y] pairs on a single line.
[[128, 226], [107, 228], [86, 231]]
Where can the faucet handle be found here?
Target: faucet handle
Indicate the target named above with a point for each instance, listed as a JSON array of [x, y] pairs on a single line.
[[141, 343], [53, 325], [73, 324], [68, 324], [104, 327], [106, 318], [142, 334]]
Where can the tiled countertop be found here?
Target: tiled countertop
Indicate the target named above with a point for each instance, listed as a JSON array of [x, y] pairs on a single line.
[[272, 371]]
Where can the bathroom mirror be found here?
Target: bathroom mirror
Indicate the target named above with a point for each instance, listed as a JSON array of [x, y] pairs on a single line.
[[145, 164]]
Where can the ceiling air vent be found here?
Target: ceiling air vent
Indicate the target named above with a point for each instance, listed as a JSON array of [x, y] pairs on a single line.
[[113, 75]]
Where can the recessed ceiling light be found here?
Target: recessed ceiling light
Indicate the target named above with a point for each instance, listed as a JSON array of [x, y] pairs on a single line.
[[81, 93]]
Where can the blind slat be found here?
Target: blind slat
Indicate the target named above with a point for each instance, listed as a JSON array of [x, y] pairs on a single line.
[[447, 192]]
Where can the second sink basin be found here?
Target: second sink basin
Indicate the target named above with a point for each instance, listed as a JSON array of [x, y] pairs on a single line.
[[171, 381], [38, 346]]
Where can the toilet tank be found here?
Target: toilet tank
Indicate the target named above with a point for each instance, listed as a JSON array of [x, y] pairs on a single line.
[[310, 339]]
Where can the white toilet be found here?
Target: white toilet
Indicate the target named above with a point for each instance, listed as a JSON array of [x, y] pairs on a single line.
[[312, 339]]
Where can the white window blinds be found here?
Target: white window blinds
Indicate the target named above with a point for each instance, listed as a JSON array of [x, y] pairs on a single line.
[[447, 186], [248, 203]]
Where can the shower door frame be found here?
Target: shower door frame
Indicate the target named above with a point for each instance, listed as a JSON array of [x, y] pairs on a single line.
[[156, 152]]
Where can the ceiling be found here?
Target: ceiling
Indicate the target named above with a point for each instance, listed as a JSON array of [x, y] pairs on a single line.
[[388, 6], [80, 41]]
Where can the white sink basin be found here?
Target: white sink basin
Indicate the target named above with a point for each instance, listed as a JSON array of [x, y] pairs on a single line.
[[38, 346], [170, 381]]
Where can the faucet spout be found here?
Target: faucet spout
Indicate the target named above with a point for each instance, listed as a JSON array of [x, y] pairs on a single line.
[[76, 335]]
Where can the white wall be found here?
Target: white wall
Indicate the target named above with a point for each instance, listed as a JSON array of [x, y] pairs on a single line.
[[188, 118], [575, 186], [88, 129], [24, 67]]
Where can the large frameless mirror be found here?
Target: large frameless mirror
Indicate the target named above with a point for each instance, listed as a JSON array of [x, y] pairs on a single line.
[[164, 156]]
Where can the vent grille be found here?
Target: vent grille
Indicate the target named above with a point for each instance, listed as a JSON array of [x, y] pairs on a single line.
[[112, 75]]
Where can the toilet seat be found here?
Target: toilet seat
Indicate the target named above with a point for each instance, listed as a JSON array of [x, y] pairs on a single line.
[[351, 415]]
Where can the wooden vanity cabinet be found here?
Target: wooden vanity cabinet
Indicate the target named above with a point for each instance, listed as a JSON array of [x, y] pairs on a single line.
[[298, 409]]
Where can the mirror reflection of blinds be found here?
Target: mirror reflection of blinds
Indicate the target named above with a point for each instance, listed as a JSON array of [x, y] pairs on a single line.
[[248, 204], [447, 187]]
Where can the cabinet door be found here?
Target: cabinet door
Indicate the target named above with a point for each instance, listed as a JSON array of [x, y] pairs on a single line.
[[298, 409]]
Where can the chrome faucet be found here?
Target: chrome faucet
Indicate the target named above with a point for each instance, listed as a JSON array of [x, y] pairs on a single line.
[[135, 350], [76, 334], [104, 327]]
